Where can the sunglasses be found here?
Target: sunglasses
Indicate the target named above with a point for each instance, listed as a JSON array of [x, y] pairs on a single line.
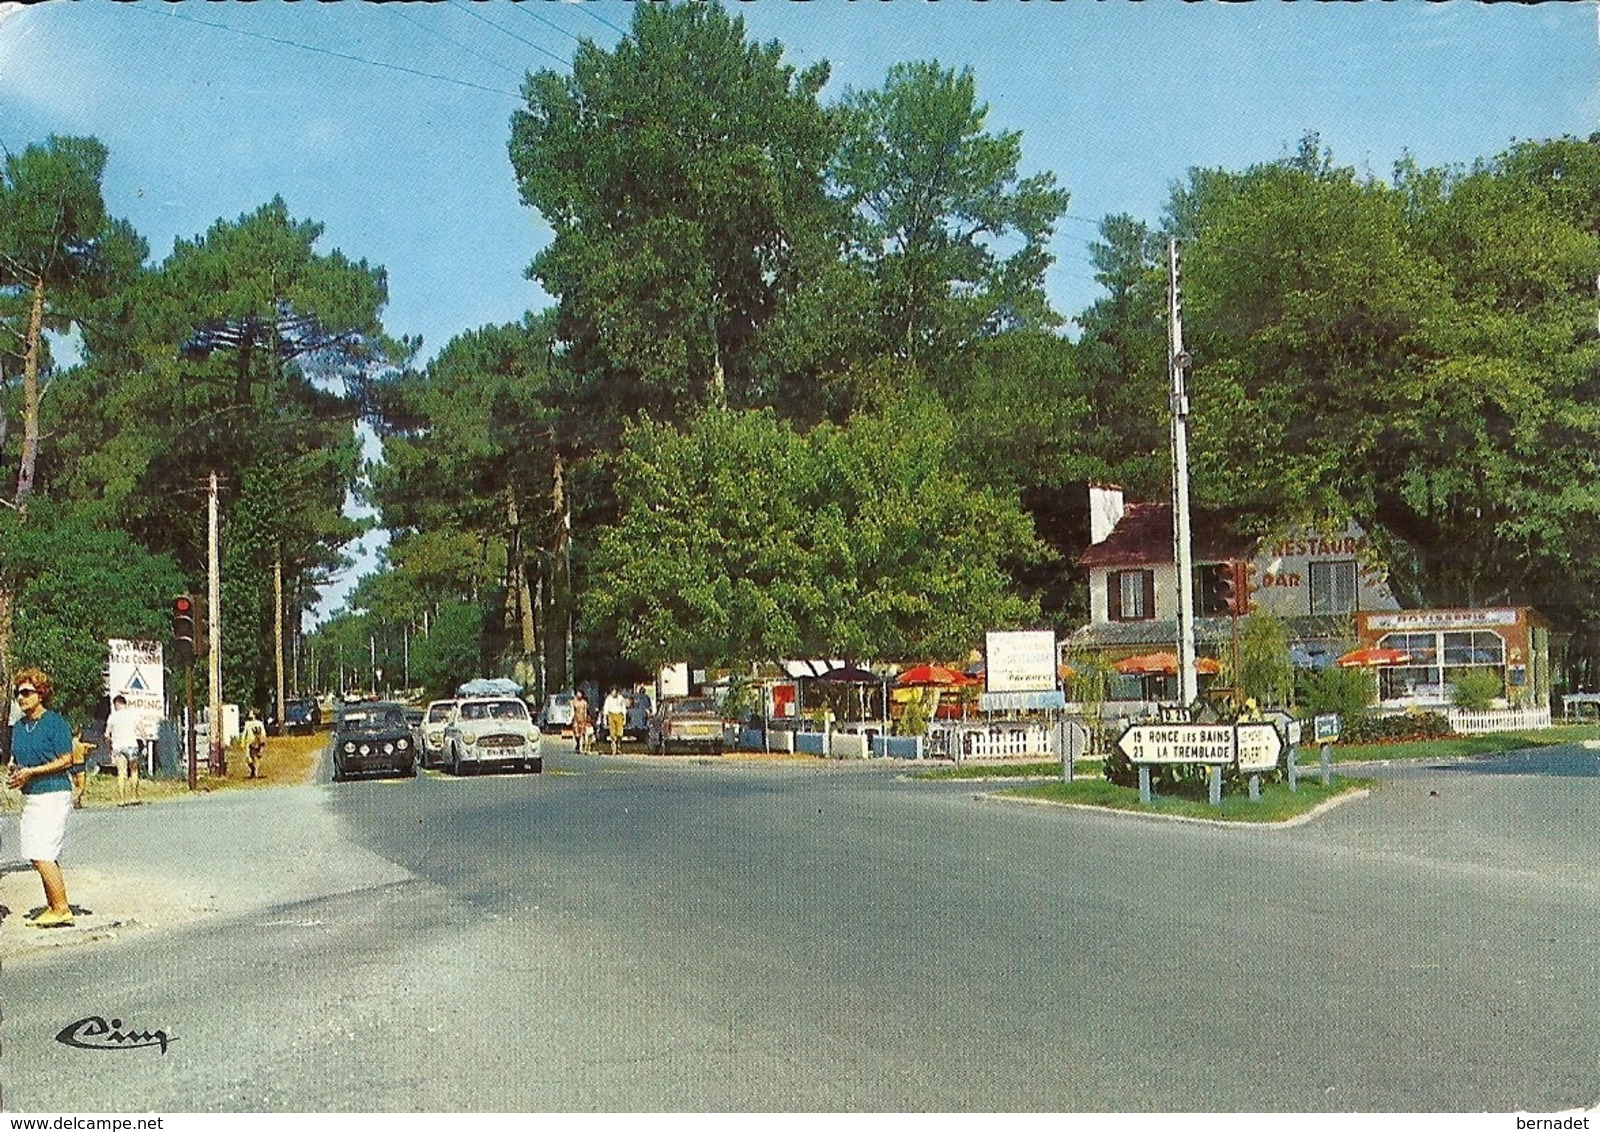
[[27, 692]]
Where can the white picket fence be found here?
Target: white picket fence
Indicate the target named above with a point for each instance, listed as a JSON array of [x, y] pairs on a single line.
[[1483, 722]]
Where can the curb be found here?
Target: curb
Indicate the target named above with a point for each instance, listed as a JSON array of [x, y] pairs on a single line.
[[1148, 815]]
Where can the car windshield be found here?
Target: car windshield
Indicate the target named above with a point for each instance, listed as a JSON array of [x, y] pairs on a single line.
[[373, 720], [438, 713], [696, 707], [495, 709]]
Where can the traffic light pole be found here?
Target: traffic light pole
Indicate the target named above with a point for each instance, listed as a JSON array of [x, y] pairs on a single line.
[[188, 694], [1178, 362], [214, 638]]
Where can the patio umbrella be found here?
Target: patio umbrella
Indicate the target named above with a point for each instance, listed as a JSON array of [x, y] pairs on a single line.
[[849, 674], [1372, 658], [1163, 664], [931, 676]]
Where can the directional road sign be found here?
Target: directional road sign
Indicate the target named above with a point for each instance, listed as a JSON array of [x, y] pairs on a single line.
[[1178, 743], [1259, 747]]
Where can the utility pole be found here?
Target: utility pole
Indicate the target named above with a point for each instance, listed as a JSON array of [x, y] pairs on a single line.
[[217, 761], [1178, 362], [277, 638]]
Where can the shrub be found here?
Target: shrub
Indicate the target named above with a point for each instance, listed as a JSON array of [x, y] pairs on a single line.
[[1395, 728], [1345, 692], [914, 718], [1475, 689]]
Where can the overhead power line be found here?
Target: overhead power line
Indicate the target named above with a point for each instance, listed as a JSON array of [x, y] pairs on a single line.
[[175, 14]]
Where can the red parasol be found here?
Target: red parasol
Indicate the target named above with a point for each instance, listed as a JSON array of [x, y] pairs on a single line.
[[931, 676], [1372, 658], [1163, 664]]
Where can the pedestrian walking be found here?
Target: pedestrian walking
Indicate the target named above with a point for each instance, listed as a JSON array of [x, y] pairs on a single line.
[[42, 754], [255, 741], [580, 721], [616, 711], [123, 729]]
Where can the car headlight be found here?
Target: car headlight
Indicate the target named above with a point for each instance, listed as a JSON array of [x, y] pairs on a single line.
[[365, 749], [388, 748], [403, 744], [469, 738], [349, 747]]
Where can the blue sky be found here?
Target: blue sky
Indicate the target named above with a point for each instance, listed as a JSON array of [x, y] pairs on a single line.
[[388, 123]]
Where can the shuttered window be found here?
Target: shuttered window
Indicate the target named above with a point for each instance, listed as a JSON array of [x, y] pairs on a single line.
[[1131, 595], [1333, 587]]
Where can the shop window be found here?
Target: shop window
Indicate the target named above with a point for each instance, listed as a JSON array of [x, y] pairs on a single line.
[[1474, 647], [1423, 648], [1131, 595], [1333, 587]]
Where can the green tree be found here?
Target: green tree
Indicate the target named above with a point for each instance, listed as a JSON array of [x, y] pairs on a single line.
[[742, 539], [247, 351], [473, 484], [682, 174], [1264, 672], [934, 198], [78, 584], [60, 252]]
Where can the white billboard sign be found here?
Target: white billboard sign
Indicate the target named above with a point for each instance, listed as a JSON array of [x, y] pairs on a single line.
[[137, 674], [672, 682], [1020, 662]]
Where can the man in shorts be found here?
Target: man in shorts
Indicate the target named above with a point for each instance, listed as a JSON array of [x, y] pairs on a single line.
[[122, 735]]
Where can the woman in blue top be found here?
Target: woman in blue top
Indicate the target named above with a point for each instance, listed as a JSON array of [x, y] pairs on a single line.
[[41, 756]]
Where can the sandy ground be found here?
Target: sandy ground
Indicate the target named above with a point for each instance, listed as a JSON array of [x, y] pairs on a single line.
[[138, 869]]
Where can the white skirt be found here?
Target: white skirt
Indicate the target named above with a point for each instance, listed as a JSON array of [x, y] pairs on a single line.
[[43, 827]]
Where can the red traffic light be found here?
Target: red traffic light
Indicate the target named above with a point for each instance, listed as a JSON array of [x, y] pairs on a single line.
[[182, 605]]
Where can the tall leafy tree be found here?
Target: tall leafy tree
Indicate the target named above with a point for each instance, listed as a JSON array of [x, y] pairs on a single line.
[[247, 351], [742, 539], [935, 199], [60, 252], [474, 469], [683, 175]]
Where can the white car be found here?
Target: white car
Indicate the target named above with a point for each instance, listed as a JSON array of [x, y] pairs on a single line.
[[491, 732], [556, 715], [434, 718]]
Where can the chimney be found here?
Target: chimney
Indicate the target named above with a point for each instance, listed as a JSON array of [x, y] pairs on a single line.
[[1105, 510]]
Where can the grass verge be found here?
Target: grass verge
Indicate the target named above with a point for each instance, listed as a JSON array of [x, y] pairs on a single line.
[[1278, 803], [1051, 769], [289, 761], [1460, 746]]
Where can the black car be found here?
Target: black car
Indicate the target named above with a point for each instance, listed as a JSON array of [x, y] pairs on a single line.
[[303, 716], [371, 738]]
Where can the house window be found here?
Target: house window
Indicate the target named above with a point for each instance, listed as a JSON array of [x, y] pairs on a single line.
[[1333, 587], [1131, 595]]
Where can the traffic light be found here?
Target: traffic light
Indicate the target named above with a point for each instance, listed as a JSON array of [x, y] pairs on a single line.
[[183, 628], [1222, 590]]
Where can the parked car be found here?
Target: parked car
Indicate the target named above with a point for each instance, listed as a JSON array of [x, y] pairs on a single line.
[[302, 717], [692, 724], [373, 737], [434, 718], [492, 732], [555, 718]]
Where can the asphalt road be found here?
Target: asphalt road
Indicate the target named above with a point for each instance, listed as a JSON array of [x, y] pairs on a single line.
[[682, 934]]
